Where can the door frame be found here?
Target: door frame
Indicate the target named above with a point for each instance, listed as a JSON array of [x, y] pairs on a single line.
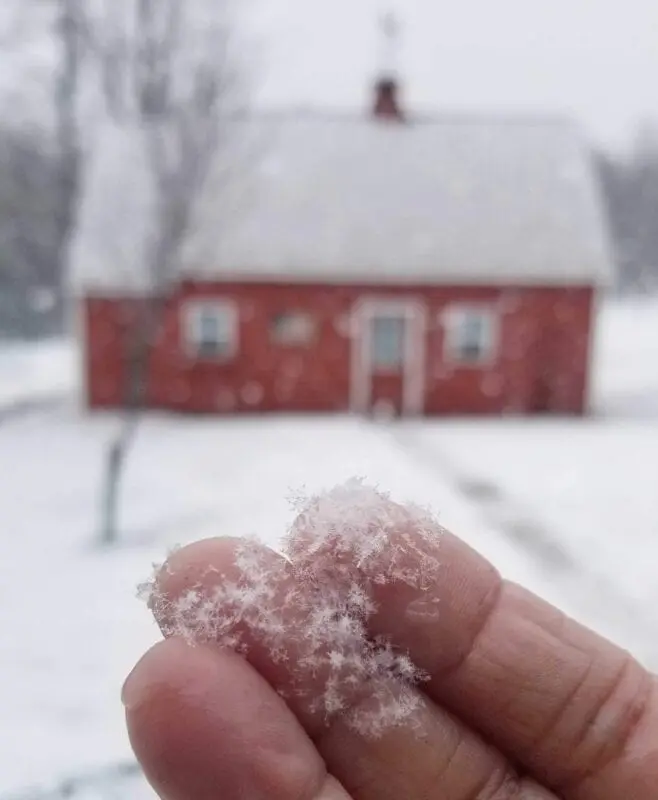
[[414, 312]]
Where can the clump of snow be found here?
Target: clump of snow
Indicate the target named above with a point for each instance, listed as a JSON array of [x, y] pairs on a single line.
[[309, 607], [355, 532]]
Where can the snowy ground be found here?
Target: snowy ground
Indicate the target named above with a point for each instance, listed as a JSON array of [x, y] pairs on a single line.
[[569, 508], [35, 373]]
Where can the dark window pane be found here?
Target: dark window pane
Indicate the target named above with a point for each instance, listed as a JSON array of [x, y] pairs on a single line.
[[471, 352], [209, 326], [211, 330], [473, 332], [388, 338], [469, 336], [210, 348]]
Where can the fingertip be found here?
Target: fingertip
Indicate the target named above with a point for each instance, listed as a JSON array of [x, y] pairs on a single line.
[[202, 565], [202, 721], [150, 672], [193, 562], [196, 566]]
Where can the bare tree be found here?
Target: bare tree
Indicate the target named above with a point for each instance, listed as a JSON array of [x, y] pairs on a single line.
[[29, 239], [168, 76], [40, 155], [630, 187], [71, 37]]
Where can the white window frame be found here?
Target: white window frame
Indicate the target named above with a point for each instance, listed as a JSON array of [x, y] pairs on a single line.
[[453, 322], [191, 327]]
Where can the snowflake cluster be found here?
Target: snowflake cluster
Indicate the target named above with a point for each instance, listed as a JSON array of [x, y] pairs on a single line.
[[310, 608]]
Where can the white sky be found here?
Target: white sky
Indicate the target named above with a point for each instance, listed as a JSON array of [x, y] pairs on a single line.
[[596, 59]]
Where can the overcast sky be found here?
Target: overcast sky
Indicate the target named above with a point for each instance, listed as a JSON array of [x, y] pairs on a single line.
[[596, 59]]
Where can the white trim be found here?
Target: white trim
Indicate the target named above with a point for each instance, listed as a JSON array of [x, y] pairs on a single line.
[[78, 317], [413, 369], [590, 407], [190, 312], [451, 319]]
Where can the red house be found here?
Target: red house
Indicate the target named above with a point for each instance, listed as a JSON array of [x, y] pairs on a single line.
[[372, 263]]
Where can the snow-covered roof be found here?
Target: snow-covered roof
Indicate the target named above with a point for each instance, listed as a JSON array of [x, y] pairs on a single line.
[[313, 197]]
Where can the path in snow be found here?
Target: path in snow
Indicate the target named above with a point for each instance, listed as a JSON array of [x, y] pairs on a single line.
[[466, 456]]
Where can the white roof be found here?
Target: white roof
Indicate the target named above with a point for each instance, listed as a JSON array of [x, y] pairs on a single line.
[[312, 197]]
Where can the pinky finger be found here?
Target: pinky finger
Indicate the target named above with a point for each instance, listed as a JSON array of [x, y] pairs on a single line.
[[204, 724]]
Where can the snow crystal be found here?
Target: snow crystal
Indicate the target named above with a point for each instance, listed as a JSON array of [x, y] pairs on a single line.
[[492, 384], [252, 393], [225, 400], [310, 608]]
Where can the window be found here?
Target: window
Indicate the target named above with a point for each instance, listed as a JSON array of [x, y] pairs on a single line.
[[293, 329], [211, 329], [388, 342], [470, 335]]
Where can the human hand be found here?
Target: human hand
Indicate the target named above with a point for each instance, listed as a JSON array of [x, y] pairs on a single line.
[[522, 703]]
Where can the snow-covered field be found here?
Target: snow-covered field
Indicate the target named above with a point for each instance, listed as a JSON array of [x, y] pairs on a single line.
[[569, 508], [33, 373]]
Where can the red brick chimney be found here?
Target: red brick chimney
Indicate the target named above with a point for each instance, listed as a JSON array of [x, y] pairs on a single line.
[[386, 104]]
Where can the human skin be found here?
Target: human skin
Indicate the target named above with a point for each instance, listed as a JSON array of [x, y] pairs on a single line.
[[522, 703]]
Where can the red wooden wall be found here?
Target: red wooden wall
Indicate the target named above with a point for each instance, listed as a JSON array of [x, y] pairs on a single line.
[[541, 366]]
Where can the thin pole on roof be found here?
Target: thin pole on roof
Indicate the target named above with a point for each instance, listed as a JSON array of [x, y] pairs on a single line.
[[391, 30]]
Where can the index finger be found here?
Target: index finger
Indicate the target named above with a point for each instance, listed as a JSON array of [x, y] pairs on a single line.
[[574, 709]]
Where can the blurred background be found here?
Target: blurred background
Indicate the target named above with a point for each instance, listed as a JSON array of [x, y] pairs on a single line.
[[195, 197]]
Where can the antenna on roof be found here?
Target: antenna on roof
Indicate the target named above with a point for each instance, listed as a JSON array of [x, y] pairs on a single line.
[[391, 30], [386, 102]]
